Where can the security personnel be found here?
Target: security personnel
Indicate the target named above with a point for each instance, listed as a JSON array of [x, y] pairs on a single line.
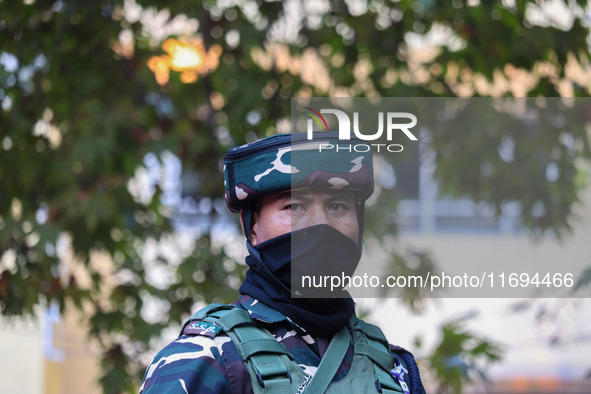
[[301, 208]]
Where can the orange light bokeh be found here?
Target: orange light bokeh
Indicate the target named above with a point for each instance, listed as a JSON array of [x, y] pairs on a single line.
[[188, 57]]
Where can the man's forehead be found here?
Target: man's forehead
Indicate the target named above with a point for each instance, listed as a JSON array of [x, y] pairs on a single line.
[[317, 192]]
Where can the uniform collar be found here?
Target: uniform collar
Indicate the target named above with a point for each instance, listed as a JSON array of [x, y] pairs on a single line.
[[263, 313]]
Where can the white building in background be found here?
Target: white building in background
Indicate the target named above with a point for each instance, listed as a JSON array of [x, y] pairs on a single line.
[[21, 356], [542, 353], [49, 355]]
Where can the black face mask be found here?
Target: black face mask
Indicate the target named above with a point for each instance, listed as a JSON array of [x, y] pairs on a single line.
[[314, 251], [318, 253]]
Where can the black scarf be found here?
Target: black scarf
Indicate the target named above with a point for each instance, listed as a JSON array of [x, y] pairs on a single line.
[[269, 276]]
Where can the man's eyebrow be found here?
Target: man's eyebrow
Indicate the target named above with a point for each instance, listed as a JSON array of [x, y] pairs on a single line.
[[301, 196], [340, 197], [340, 200]]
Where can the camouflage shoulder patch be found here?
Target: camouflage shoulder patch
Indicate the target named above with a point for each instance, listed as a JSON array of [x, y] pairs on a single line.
[[203, 328]]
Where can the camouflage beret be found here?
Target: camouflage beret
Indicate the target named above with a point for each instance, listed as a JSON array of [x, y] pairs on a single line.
[[291, 161]]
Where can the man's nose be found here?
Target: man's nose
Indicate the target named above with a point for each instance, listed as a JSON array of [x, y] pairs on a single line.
[[316, 215]]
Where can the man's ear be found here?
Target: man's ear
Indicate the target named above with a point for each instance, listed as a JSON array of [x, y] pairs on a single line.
[[254, 220], [251, 234]]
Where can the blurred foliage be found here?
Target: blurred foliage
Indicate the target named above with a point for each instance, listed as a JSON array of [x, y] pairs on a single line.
[[410, 264], [460, 357], [80, 110], [528, 152], [584, 280]]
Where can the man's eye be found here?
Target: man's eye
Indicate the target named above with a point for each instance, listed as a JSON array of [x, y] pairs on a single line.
[[294, 207], [336, 206]]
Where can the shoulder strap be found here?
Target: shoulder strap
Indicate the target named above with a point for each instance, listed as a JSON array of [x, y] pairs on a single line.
[[376, 349], [381, 353], [259, 350], [330, 363]]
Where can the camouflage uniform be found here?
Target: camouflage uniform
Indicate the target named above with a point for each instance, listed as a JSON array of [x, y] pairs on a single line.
[[202, 361]]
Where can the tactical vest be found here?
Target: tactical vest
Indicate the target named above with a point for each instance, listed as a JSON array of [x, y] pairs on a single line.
[[273, 369]]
